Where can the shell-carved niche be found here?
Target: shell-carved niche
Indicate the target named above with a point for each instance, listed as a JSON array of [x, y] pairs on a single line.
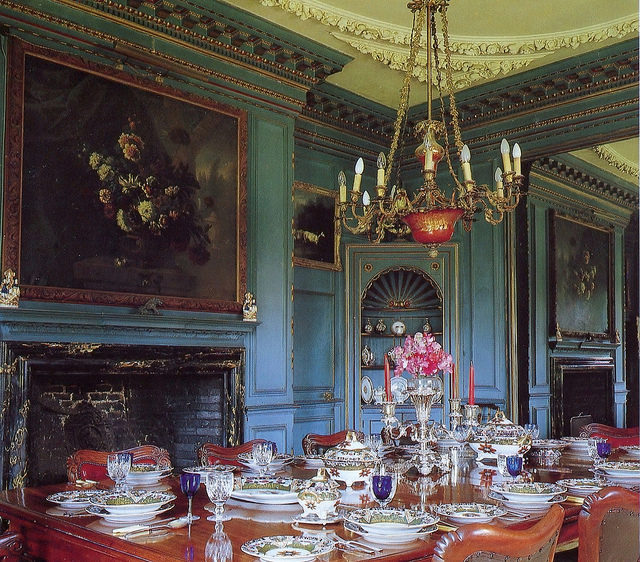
[[401, 288]]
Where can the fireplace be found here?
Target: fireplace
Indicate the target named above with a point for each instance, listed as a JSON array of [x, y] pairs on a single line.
[[581, 385], [61, 397]]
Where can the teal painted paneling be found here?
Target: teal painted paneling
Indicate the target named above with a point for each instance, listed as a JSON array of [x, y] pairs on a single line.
[[314, 332], [270, 266]]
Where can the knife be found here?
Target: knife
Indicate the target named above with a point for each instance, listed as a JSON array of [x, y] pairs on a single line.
[[133, 528]]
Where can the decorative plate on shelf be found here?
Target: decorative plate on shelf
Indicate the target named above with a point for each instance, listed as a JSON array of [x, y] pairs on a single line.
[[366, 390], [399, 389], [398, 328], [288, 547]]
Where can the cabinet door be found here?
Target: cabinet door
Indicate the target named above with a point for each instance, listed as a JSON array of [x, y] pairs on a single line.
[[366, 263]]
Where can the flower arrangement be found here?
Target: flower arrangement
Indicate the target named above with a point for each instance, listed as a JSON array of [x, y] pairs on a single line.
[[421, 355], [147, 196]]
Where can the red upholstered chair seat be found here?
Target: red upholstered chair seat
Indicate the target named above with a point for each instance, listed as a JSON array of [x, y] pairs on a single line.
[[317, 443], [87, 464]]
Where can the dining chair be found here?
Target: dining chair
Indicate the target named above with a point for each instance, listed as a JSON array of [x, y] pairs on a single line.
[[209, 453], [87, 464], [488, 541], [11, 546], [391, 435], [609, 526], [617, 436], [317, 443]]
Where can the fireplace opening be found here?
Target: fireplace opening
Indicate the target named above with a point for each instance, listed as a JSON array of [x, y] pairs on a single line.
[[581, 386], [110, 397]]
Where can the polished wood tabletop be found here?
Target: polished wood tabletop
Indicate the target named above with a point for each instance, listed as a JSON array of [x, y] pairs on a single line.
[[51, 535]]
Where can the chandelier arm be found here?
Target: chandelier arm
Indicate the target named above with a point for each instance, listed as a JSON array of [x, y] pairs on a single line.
[[404, 91], [457, 135]]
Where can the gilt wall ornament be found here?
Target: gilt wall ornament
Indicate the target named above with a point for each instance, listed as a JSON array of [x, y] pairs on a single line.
[[249, 308], [9, 290]]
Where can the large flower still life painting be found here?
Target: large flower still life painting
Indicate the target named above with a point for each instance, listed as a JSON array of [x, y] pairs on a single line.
[[129, 188]]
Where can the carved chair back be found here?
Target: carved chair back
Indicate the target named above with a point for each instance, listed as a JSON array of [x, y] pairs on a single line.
[[485, 541], [87, 464], [617, 436], [317, 443], [209, 453], [609, 526]]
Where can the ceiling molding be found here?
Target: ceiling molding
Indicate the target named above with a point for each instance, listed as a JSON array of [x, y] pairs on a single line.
[[615, 159], [473, 57]]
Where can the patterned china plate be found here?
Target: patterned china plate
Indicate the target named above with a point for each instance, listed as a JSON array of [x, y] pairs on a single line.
[[528, 492], [118, 518], [577, 444], [266, 490], [72, 499], [581, 486], [287, 547], [134, 501], [391, 521], [389, 538], [313, 519], [461, 513], [632, 450], [138, 478], [527, 507], [624, 469], [556, 444]]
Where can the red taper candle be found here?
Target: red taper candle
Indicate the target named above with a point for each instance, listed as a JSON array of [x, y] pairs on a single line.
[[387, 379], [472, 385]]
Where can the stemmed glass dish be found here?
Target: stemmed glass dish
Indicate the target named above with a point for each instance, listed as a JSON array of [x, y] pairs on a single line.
[[219, 487], [118, 467], [514, 465], [189, 484], [262, 454]]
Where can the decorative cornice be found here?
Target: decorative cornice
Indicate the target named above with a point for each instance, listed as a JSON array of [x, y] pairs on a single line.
[[587, 183], [474, 58], [615, 159], [210, 32]]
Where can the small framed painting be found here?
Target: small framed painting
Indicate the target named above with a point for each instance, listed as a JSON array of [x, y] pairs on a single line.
[[581, 278], [316, 232]]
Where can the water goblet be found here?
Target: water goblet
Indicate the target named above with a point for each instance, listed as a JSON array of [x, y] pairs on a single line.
[[592, 447], [189, 484], [604, 450], [384, 487], [118, 467], [514, 465], [219, 486], [262, 454]]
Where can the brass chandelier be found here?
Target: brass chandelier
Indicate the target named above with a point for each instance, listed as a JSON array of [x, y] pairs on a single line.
[[429, 214]]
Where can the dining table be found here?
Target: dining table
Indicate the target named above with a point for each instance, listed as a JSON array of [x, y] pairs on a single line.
[[50, 533]]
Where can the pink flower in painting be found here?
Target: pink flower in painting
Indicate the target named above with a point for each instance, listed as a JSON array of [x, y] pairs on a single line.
[[421, 355]]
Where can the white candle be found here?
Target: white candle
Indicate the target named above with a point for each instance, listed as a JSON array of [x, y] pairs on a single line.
[[517, 155], [358, 177], [498, 178], [465, 158], [382, 163], [506, 161]]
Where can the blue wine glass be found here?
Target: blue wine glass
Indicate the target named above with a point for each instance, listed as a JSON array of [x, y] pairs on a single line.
[[514, 465], [383, 487], [189, 484], [604, 449]]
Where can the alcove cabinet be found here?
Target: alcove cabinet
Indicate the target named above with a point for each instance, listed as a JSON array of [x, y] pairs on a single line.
[[389, 288]]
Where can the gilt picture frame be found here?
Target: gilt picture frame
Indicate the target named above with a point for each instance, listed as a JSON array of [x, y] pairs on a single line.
[[120, 189], [316, 232], [581, 279]]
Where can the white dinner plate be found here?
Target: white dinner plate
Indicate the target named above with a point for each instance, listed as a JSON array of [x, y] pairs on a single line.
[[147, 477], [390, 521], [204, 470], [256, 495], [529, 506], [621, 469], [632, 450]]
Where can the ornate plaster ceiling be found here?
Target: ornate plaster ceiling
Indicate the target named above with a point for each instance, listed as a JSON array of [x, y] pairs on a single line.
[[490, 39]]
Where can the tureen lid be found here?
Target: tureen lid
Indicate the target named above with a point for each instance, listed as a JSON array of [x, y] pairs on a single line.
[[350, 449]]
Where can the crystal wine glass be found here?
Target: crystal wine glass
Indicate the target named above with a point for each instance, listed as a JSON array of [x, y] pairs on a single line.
[[533, 430], [118, 467], [514, 465], [262, 454], [219, 487], [219, 547], [384, 486], [189, 484]]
